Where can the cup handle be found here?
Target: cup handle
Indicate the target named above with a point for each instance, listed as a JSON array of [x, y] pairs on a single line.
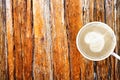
[[115, 55]]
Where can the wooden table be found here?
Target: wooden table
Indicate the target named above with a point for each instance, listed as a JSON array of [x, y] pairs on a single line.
[[37, 39]]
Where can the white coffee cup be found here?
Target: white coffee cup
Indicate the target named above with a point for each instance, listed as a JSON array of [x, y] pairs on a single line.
[[95, 41]]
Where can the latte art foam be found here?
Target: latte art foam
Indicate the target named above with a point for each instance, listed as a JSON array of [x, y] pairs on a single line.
[[95, 41]]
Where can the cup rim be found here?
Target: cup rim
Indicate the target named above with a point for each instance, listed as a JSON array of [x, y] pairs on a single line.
[[83, 53]]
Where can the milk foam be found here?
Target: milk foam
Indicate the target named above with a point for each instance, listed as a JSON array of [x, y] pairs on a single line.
[[95, 41]]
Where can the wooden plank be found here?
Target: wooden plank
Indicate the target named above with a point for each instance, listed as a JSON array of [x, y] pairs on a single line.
[[91, 10], [99, 10], [86, 11], [27, 38], [74, 23], [77, 14], [110, 19], [87, 15], [3, 65], [23, 43], [17, 24], [117, 29], [9, 32], [102, 67], [42, 37], [59, 41]]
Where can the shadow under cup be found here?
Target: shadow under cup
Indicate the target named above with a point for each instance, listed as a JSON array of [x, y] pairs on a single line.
[[109, 41]]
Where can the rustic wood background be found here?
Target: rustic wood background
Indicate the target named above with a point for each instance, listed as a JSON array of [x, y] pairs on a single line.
[[37, 39]]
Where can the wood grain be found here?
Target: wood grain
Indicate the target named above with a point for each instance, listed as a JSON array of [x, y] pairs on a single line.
[[73, 24], [87, 16], [27, 39], [42, 41], [10, 42], [103, 66], [77, 14], [100, 67], [117, 30], [17, 24], [3, 47], [110, 20], [59, 41], [38, 39]]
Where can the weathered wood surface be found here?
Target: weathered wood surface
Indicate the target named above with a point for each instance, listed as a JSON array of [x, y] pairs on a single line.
[[9, 30], [3, 47], [42, 66], [117, 30], [37, 39]]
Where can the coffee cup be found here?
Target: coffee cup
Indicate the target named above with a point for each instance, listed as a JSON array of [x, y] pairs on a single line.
[[96, 41]]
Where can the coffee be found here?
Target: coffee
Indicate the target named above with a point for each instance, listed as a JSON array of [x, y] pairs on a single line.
[[96, 41]]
